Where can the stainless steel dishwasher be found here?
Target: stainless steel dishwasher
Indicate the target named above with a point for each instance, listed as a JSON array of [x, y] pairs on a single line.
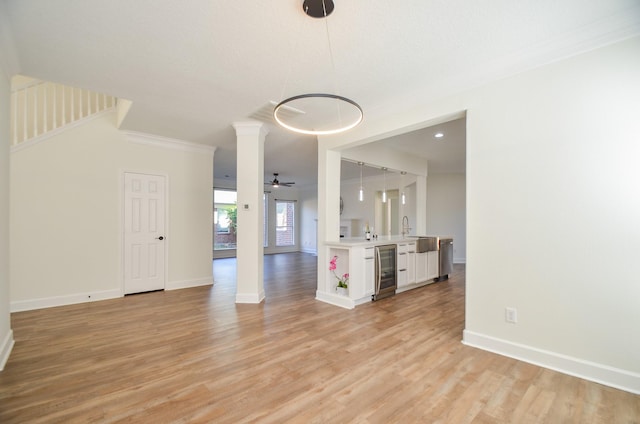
[[446, 258]]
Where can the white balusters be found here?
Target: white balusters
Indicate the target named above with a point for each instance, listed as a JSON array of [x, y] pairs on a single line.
[[14, 109], [64, 106], [35, 111], [45, 115], [40, 107], [55, 106], [73, 104], [80, 105], [25, 98]]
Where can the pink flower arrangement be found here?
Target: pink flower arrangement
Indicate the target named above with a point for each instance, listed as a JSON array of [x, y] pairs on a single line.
[[342, 281]]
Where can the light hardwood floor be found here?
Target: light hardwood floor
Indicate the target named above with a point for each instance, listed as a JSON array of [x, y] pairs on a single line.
[[193, 356]]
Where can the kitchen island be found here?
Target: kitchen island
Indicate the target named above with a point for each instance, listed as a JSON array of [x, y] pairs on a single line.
[[357, 257]]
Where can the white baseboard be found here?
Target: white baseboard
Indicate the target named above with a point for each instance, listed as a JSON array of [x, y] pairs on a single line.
[[175, 285], [5, 348], [50, 302], [415, 286], [609, 376], [309, 250], [335, 299], [459, 260], [249, 297]]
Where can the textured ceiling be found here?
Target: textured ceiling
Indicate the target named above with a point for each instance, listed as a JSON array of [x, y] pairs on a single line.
[[192, 68]]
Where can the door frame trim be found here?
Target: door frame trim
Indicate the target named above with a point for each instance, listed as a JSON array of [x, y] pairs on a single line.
[[167, 240]]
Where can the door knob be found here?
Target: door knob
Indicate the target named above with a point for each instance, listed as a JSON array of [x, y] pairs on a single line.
[[160, 238]]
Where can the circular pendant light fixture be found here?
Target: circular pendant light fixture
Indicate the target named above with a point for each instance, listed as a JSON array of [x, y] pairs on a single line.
[[318, 113]]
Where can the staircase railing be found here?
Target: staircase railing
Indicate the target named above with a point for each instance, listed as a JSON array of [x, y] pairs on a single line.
[[40, 107]]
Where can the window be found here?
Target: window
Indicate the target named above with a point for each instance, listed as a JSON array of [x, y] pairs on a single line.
[[285, 222], [225, 212], [265, 224]]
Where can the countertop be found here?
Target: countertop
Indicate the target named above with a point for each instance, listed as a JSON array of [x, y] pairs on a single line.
[[381, 240]]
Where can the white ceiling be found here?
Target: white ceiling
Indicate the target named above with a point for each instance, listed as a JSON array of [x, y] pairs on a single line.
[[446, 154], [192, 68]]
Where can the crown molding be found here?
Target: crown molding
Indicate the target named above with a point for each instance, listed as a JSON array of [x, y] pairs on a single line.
[[167, 143]]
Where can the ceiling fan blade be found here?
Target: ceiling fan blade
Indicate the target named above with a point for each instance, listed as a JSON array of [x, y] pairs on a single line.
[[275, 183]]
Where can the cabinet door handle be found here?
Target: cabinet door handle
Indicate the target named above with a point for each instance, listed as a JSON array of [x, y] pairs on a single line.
[[378, 271]]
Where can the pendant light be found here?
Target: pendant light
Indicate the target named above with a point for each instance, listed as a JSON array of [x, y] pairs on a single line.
[[318, 113], [384, 186], [403, 198], [361, 192]]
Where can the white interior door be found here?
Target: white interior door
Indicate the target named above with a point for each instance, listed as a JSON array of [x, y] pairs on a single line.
[[144, 232]]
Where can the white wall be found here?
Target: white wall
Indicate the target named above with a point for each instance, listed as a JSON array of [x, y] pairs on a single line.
[[308, 207], [355, 209], [553, 207], [365, 211], [552, 211], [6, 335], [446, 210], [66, 205]]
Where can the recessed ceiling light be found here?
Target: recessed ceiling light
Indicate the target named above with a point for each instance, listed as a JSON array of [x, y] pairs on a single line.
[[438, 135]]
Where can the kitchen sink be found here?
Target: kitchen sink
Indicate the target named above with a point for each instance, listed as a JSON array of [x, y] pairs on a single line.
[[426, 244]]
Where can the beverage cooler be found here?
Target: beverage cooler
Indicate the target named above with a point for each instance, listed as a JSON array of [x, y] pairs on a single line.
[[385, 263]]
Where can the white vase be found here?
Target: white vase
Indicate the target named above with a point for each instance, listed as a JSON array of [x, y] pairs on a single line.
[[342, 291]]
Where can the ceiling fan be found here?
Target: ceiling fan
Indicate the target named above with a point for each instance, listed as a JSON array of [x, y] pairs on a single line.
[[276, 183]]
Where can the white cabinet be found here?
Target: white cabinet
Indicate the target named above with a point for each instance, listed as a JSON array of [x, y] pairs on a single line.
[[402, 278], [406, 264], [369, 271], [358, 259], [361, 272], [411, 263], [426, 266], [432, 265], [402, 265], [421, 267]]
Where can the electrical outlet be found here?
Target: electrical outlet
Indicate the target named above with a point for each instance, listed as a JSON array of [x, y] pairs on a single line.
[[511, 315]]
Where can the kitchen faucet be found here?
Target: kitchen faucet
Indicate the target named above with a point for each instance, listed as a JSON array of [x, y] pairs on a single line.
[[405, 226]]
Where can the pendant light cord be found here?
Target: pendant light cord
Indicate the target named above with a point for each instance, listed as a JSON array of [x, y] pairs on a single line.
[[327, 125], [295, 51], [333, 65]]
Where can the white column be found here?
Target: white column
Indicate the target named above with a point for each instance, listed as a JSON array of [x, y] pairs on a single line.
[[250, 137], [328, 210], [421, 204]]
